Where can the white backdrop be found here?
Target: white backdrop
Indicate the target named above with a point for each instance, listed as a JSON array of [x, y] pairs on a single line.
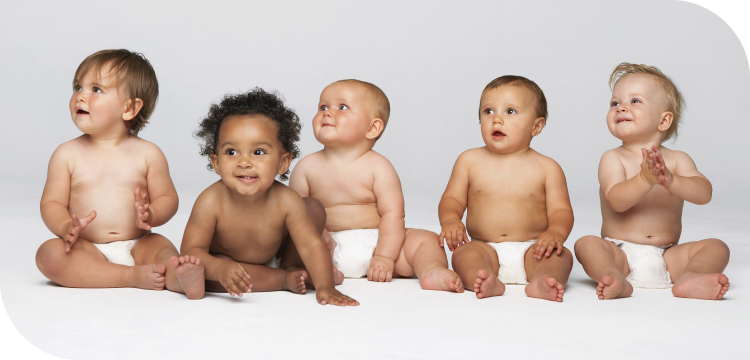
[[431, 59]]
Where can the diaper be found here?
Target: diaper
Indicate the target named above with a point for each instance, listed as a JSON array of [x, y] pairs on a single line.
[[273, 263], [118, 252], [354, 250], [511, 255], [647, 266]]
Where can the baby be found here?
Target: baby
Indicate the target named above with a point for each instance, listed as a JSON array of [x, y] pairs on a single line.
[[362, 194], [119, 181], [643, 186], [241, 222], [519, 213]]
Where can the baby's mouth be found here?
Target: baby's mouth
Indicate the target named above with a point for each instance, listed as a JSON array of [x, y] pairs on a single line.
[[622, 120], [82, 112], [497, 134], [247, 179]]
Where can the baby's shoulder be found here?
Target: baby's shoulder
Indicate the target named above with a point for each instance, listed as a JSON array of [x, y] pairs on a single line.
[[284, 196], [143, 147], [473, 155], [545, 162], [212, 197], [376, 160]]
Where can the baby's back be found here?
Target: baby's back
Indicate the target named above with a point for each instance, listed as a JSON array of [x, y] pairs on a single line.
[[506, 197], [103, 178], [347, 190]]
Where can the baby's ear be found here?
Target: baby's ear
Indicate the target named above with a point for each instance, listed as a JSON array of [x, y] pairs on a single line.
[[214, 162], [538, 126], [285, 163], [376, 128], [132, 107], [665, 121]]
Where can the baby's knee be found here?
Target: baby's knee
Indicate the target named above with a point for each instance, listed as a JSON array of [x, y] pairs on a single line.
[[584, 243], [717, 245], [50, 257], [316, 211]]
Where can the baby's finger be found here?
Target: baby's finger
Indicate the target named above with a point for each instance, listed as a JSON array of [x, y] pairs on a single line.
[[550, 248], [559, 249], [389, 276], [381, 275]]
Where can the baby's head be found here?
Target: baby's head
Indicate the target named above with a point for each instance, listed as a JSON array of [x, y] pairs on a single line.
[[646, 105], [512, 110], [111, 87], [351, 112], [250, 138]]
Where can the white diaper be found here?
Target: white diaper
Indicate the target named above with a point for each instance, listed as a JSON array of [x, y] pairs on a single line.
[[511, 255], [118, 252], [273, 263], [647, 266], [354, 250]]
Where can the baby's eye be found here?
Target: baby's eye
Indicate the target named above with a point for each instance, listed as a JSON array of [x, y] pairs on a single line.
[[511, 111], [97, 89], [635, 101], [323, 108], [231, 152], [614, 103], [488, 111], [259, 152], [76, 87], [343, 107]]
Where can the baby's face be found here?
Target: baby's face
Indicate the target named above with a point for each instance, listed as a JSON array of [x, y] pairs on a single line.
[[248, 154], [96, 105], [636, 108], [344, 115], [508, 118]]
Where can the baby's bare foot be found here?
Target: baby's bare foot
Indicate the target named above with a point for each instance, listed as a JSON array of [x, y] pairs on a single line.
[[294, 281], [441, 279], [488, 285], [338, 276], [545, 288], [149, 277], [613, 287], [190, 275], [701, 286]]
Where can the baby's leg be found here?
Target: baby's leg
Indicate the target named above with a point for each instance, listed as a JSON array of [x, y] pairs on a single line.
[[184, 274], [421, 255], [86, 267], [264, 278], [290, 258], [696, 267], [549, 275], [477, 265], [606, 264]]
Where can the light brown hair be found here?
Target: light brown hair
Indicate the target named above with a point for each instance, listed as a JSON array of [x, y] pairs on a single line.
[[380, 104], [135, 79], [672, 95], [541, 101]]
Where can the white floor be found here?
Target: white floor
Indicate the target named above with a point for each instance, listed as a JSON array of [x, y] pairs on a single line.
[[395, 320]]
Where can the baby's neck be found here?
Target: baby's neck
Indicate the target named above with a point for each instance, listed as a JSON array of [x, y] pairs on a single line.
[[636, 146], [345, 154], [107, 140]]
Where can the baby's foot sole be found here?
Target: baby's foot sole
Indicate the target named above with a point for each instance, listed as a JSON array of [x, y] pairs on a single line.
[[613, 288], [488, 285], [441, 279], [545, 288], [294, 281], [149, 277], [190, 274], [702, 286]]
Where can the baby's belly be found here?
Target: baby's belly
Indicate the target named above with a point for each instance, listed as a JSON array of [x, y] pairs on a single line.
[[115, 214], [350, 217], [494, 226], [648, 225]]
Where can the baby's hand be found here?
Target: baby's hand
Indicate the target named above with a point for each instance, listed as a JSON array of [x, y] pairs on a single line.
[[141, 210], [546, 244], [381, 269], [665, 176], [454, 234], [650, 170], [234, 278], [334, 297], [75, 228]]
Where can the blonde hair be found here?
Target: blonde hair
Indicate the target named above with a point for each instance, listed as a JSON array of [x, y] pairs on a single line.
[[134, 77], [675, 102], [381, 105]]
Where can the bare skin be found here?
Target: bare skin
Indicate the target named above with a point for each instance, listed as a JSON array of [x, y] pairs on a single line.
[[105, 186], [244, 220], [511, 193], [643, 187], [360, 189]]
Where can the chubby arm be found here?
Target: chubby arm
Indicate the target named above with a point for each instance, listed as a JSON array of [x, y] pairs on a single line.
[[196, 241], [559, 213], [312, 251], [298, 179], [391, 231], [453, 204], [621, 193], [161, 192], [685, 182]]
